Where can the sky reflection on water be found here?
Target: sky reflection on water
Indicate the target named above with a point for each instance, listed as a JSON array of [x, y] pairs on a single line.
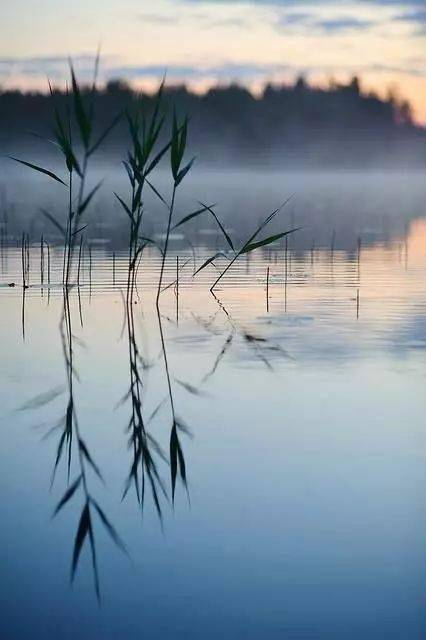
[[306, 468]]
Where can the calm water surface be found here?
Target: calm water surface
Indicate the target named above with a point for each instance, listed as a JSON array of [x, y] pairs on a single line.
[[306, 458]]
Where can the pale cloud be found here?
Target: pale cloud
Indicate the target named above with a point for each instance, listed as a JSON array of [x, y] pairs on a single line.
[[204, 42], [312, 23]]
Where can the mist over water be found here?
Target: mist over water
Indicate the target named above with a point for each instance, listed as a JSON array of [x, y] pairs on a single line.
[[331, 206]]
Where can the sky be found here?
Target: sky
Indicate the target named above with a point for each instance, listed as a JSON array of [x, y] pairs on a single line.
[[207, 42]]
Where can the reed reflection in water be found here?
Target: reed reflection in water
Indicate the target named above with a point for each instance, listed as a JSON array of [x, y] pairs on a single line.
[[289, 457]]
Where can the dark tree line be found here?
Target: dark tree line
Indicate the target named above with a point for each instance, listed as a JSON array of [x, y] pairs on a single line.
[[285, 125]]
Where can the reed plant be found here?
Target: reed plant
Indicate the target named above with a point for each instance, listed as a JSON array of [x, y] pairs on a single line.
[[150, 144], [70, 433], [76, 164]]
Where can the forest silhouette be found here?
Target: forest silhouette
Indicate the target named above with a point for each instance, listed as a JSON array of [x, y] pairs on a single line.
[[286, 125]]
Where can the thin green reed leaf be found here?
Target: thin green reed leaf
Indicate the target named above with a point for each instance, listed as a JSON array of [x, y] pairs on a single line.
[[174, 154], [182, 138], [261, 243], [157, 193], [82, 531], [139, 177], [209, 261], [269, 218], [104, 135], [96, 68], [89, 197], [66, 148], [194, 214], [182, 173], [39, 169], [129, 172], [151, 134], [51, 91], [79, 230], [64, 140], [151, 139], [83, 121], [250, 241], [134, 134], [148, 240], [44, 138], [136, 200], [68, 495], [221, 227], [124, 205], [53, 220], [157, 158], [143, 135]]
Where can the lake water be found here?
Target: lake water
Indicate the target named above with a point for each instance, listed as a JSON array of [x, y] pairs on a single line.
[[306, 458]]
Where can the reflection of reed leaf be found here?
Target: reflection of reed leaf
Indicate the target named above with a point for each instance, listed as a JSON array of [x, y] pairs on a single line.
[[70, 435], [220, 355], [109, 527], [189, 387], [158, 450], [256, 341], [83, 529], [206, 324], [183, 427], [59, 452], [68, 494], [84, 450], [42, 399], [157, 409], [176, 460], [251, 338], [123, 399]]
